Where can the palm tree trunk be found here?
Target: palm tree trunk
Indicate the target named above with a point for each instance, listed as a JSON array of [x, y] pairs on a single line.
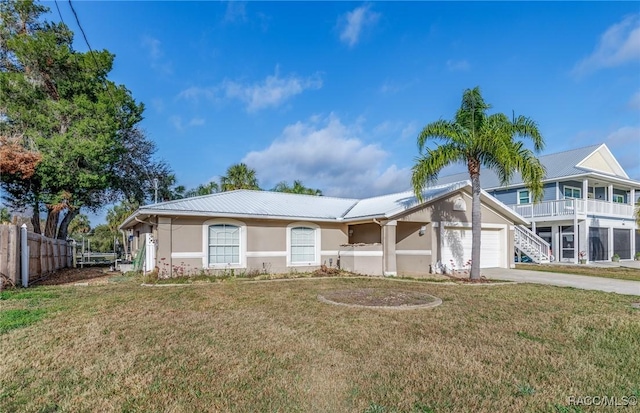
[[476, 225]]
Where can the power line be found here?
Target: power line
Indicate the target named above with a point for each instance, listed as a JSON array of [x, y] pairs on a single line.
[[86, 40], [84, 35], [59, 14]]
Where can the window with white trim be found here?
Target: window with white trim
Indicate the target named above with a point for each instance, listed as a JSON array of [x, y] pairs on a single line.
[[618, 199], [303, 245], [224, 244], [572, 192], [524, 197]]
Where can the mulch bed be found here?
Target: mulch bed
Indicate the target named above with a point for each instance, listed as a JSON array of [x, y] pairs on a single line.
[[91, 275], [378, 297]]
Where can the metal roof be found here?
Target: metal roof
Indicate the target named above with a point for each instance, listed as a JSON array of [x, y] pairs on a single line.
[[558, 165], [278, 205], [258, 203], [392, 204]]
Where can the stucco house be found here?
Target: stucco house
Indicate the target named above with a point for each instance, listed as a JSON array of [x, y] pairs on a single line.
[[588, 207], [263, 231]]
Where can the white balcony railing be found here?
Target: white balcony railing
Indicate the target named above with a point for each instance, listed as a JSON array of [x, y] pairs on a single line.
[[570, 207]]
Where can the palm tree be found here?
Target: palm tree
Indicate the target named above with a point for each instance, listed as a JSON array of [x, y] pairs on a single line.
[[239, 176], [203, 189], [297, 188], [480, 140]]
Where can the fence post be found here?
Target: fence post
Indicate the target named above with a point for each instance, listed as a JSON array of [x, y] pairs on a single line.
[[24, 256]]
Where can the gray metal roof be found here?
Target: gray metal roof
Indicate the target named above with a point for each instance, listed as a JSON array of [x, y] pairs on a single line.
[[558, 165], [258, 203], [393, 204], [278, 205]]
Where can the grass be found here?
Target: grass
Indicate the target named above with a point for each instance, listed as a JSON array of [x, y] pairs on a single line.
[[620, 273], [272, 346]]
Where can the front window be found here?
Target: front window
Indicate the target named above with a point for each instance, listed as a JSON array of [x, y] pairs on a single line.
[[571, 192], [619, 199], [524, 197], [224, 244], [303, 245]]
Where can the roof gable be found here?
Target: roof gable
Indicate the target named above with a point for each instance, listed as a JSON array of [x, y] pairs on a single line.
[[559, 165], [602, 160]]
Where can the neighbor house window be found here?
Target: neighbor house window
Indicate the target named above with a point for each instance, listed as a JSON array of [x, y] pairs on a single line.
[[619, 199], [224, 244], [571, 192], [524, 197]]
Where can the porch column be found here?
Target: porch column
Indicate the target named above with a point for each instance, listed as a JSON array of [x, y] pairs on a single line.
[[610, 194], [558, 190], [610, 229], [576, 237], [163, 242], [389, 248], [632, 201], [584, 240]]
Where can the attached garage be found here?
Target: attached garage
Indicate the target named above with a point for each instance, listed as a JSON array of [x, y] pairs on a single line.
[[456, 247]]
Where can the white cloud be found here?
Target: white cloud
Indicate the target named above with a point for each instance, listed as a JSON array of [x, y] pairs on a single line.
[[634, 102], [625, 144], [353, 23], [196, 122], [181, 126], [410, 131], [619, 44], [156, 54], [395, 129], [458, 65], [236, 12], [273, 91], [331, 156]]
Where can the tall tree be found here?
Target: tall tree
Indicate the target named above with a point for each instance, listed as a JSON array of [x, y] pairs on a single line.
[[479, 140], [296, 188], [239, 176], [78, 129], [203, 189], [80, 225]]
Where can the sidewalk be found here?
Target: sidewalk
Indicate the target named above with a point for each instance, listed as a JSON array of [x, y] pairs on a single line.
[[565, 280]]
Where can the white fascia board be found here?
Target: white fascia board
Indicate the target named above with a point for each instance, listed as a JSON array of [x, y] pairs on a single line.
[[179, 213]]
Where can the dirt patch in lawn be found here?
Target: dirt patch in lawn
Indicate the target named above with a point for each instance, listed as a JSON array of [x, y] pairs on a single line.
[[379, 298], [90, 275]]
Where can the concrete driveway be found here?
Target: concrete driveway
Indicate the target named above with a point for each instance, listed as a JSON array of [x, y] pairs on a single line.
[[564, 280]]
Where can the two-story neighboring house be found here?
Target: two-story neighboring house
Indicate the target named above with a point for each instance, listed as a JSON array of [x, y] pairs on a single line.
[[587, 211]]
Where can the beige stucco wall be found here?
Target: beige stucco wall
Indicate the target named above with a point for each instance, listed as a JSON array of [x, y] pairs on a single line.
[[368, 233], [413, 251], [362, 258], [180, 244], [443, 211]]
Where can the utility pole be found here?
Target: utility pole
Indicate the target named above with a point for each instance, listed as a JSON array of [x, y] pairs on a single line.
[[155, 186]]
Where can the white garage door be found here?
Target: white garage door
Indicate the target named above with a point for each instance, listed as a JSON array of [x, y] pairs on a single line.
[[457, 248]]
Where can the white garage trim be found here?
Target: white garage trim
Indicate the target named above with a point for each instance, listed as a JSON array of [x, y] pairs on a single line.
[[455, 245]]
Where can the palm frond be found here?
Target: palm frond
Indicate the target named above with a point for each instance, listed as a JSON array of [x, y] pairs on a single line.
[[428, 166], [442, 130]]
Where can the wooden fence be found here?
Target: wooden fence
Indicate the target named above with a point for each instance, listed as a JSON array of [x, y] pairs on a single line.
[[46, 255]]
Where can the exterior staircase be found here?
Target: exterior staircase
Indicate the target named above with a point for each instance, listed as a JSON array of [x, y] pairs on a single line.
[[531, 245]]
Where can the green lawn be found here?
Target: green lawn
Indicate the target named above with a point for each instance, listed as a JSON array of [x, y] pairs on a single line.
[[620, 273], [251, 346]]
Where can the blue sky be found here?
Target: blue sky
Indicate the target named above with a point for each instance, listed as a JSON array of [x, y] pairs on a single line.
[[335, 93]]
